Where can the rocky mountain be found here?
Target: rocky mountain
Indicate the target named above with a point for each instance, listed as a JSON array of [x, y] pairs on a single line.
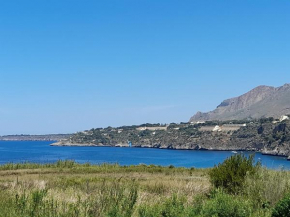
[[262, 101]]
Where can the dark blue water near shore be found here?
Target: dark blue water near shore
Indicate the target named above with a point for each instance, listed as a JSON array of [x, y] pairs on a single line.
[[42, 152]]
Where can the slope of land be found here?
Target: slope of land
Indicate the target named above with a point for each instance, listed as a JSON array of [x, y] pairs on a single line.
[[264, 135], [262, 101]]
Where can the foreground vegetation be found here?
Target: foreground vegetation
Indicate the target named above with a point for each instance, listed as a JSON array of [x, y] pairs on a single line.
[[238, 187]]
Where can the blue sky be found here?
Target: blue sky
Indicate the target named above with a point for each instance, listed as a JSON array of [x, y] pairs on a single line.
[[68, 65]]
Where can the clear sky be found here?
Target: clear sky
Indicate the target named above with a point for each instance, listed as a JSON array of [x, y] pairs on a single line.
[[71, 65]]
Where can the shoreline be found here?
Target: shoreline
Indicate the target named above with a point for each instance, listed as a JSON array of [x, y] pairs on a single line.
[[265, 152]]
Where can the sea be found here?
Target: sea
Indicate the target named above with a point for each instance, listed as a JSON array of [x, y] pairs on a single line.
[[42, 152]]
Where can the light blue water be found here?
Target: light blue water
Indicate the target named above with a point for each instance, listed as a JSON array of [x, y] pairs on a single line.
[[42, 152]]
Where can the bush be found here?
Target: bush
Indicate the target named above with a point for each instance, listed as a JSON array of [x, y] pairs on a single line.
[[231, 174], [225, 205], [171, 207], [282, 209], [266, 187]]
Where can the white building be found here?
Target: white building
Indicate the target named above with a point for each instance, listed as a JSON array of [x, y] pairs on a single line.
[[217, 129], [283, 118]]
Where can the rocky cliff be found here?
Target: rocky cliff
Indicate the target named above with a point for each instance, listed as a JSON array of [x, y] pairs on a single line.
[[262, 101]]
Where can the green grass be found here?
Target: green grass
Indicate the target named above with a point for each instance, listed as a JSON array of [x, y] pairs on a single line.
[[67, 188]]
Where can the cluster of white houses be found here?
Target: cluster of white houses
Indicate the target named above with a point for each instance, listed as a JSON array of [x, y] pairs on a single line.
[[282, 118], [224, 127], [217, 128], [234, 127], [151, 128]]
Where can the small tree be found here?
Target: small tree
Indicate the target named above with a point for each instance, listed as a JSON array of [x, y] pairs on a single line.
[[230, 175]]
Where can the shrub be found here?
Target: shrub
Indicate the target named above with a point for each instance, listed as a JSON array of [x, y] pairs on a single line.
[[171, 207], [231, 174], [116, 199], [225, 205], [282, 209], [266, 187], [149, 211]]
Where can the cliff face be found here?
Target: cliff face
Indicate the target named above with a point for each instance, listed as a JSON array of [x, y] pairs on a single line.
[[262, 101]]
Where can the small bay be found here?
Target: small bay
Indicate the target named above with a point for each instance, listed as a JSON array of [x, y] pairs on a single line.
[[42, 152]]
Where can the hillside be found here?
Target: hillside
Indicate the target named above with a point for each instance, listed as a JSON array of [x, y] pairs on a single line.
[[263, 135], [262, 101]]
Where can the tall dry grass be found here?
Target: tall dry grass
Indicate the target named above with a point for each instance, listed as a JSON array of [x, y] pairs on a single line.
[[71, 189], [85, 190]]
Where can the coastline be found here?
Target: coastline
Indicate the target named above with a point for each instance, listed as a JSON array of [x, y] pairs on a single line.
[[263, 152]]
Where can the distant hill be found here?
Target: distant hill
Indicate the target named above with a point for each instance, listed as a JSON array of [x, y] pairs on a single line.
[[48, 137], [262, 101]]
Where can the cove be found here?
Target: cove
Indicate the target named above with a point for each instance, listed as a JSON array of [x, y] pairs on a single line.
[[42, 152]]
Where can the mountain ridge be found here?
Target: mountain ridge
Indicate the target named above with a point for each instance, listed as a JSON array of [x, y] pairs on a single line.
[[262, 101]]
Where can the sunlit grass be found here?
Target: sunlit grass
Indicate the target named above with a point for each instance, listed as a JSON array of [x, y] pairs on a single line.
[[66, 188], [70, 189]]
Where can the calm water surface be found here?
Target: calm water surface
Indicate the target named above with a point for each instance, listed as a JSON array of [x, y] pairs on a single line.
[[42, 152]]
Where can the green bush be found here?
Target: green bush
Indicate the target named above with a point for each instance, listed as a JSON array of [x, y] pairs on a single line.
[[282, 209], [231, 174], [225, 205], [149, 211], [267, 187], [171, 207]]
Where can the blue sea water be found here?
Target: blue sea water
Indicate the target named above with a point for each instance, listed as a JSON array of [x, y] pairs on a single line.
[[42, 152]]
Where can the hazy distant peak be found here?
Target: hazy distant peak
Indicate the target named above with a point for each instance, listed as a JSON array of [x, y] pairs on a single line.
[[285, 86], [262, 101]]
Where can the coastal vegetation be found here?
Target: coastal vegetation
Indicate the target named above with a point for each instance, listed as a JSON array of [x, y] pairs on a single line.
[[265, 135], [236, 187]]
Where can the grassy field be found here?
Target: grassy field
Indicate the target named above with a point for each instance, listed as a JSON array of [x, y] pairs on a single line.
[[70, 189]]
